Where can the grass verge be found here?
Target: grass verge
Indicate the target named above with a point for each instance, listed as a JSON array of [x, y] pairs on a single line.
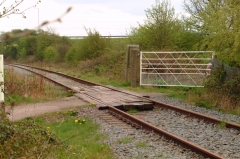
[[78, 136]]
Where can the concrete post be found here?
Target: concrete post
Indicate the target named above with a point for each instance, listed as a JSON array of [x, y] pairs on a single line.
[[128, 61], [135, 60]]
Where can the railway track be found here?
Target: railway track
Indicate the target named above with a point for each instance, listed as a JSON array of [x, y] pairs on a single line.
[[87, 91]]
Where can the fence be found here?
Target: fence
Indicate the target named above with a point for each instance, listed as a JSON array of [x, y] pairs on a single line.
[[175, 68]]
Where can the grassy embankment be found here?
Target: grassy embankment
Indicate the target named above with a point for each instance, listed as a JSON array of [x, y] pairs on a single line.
[[109, 69]]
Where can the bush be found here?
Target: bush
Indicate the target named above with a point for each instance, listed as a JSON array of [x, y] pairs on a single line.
[[92, 46], [50, 54], [22, 53], [71, 56], [46, 39], [216, 80], [24, 139], [28, 44], [62, 46], [223, 88]]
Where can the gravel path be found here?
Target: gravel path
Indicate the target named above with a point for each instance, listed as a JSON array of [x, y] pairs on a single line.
[[29, 110]]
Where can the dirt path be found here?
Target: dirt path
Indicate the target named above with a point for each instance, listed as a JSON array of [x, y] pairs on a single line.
[[30, 110]]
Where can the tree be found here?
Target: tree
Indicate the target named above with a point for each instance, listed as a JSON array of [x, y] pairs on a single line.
[[29, 44], [50, 54], [72, 56], [10, 46], [62, 46], [159, 30], [218, 21], [93, 45]]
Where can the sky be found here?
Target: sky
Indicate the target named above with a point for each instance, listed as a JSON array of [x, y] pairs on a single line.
[[108, 17]]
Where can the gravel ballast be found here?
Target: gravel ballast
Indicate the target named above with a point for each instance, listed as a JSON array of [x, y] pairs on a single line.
[[216, 138], [139, 144]]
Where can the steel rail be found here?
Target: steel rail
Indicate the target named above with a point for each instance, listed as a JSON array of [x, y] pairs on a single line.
[[146, 126], [55, 82], [140, 123], [186, 112]]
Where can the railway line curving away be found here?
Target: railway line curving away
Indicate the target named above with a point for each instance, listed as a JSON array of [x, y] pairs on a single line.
[[192, 130]]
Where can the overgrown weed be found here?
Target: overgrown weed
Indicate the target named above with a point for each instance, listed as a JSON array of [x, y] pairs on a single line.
[[25, 139], [25, 88]]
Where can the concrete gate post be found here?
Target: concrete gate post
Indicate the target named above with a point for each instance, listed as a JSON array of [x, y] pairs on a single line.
[[135, 60]]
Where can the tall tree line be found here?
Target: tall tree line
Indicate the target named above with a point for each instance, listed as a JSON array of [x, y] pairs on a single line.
[[218, 21], [210, 25]]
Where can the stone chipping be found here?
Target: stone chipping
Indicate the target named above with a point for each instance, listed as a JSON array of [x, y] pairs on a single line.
[[222, 141], [141, 145], [137, 144], [215, 137]]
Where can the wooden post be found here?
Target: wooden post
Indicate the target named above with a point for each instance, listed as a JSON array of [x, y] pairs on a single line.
[[135, 60]]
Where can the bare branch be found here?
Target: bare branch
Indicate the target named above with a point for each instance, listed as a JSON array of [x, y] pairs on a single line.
[[25, 33], [13, 9], [2, 2]]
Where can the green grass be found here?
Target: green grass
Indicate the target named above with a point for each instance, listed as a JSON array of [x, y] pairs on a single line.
[[118, 84], [30, 88], [125, 140], [203, 104], [177, 95], [221, 125], [14, 99], [141, 144], [80, 139], [133, 111]]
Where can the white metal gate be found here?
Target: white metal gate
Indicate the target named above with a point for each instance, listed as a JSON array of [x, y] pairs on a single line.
[[188, 68]]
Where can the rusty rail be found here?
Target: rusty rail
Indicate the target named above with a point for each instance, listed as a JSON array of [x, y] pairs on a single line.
[[156, 103], [146, 126]]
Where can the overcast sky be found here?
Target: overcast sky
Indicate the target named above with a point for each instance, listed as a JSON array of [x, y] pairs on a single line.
[[109, 17]]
